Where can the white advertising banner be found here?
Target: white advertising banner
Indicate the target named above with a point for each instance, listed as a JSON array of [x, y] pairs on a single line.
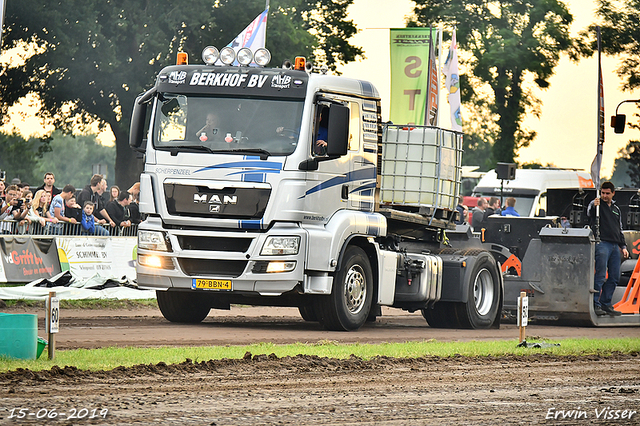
[[110, 257]]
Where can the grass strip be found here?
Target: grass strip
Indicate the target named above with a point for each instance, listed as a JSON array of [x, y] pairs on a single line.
[[86, 303], [112, 357]]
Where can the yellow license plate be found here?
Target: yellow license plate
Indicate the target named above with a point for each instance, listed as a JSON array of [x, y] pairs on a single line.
[[211, 284]]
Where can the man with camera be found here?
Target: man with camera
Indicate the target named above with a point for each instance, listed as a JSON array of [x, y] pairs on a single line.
[[14, 209]]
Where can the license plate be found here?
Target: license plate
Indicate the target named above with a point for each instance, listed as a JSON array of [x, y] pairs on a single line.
[[211, 284]]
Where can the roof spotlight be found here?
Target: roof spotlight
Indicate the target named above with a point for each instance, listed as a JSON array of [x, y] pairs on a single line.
[[227, 55], [245, 56], [210, 55], [262, 57], [287, 64], [308, 66]]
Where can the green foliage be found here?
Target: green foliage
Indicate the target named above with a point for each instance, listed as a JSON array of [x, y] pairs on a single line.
[[94, 57], [71, 159], [536, 165], [19, 157], [619, 36], [110, 358], [628, 161], [504, 42]]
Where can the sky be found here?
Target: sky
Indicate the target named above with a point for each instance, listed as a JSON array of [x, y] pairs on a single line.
[[567, 128]]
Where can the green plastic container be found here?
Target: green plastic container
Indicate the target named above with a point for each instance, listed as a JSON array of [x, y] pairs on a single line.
[[18, 335], [41, 345]]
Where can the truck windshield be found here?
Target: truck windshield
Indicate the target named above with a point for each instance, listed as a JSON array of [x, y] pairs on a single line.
[[222, 124]]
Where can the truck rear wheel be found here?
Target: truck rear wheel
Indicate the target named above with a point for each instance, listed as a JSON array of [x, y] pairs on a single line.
[[483, 297], [182, 306], [348, 306]]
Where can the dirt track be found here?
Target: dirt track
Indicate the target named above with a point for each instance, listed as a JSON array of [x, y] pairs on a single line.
[[246, 325], [264, 390]]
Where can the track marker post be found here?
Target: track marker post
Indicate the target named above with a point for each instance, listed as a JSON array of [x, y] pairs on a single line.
[[52, 321], [523, 315]]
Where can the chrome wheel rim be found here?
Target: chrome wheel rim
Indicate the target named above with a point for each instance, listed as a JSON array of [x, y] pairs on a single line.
[[483, 292], [355, 289]]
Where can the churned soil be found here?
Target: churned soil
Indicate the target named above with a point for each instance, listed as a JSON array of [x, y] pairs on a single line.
[[311, 390]]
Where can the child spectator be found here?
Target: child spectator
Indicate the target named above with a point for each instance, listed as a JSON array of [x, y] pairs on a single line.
[[89, 225]]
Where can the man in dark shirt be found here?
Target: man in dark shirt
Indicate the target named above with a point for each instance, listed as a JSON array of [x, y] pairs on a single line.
[[119, 211], [48, 185], [93, 192], [608, 249]]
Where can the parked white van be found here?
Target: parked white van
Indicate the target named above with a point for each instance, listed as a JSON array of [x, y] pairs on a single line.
[[529, 188]]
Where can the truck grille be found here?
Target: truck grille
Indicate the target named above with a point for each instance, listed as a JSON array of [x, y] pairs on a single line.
[[226, 203], [207, 267], [188, 242]]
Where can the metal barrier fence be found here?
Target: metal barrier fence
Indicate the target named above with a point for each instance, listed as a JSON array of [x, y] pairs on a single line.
[[10, 227]]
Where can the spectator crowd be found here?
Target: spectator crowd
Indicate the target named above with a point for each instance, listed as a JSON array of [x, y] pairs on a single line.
[[50, 210]]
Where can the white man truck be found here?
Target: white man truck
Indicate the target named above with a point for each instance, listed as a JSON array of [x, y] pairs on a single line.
[[297, 195]]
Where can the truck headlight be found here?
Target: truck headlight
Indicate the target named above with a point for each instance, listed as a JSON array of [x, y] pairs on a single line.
[[280, 245], [152, 240]]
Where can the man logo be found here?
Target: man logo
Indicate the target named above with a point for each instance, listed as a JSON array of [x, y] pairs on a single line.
[[214, 208], [215, 199]]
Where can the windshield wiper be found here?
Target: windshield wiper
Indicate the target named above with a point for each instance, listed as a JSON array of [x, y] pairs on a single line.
[[190, 148], [264, 154]]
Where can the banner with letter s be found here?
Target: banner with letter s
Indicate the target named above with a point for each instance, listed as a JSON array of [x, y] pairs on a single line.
[[409, 52]]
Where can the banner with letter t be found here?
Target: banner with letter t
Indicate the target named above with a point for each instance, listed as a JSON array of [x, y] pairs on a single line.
[[409, 52]]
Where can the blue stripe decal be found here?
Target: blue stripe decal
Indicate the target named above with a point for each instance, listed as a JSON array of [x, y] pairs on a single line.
[[243, 172], [250, 224], [373, 151], [259, 165], [362, 174], [253, 177], [368, 186]]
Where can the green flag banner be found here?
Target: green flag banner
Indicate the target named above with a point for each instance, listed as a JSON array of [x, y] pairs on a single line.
[[410, 73]]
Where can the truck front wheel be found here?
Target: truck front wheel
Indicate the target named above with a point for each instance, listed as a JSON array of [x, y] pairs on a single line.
[[347, 308], [483, 300], [183, 306]]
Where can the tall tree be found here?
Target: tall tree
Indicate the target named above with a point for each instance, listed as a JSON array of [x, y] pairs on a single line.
[[88, 60], [620, 36], [502, 41]]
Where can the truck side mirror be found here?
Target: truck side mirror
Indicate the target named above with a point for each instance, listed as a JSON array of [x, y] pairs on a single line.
[[137, 128], [338, 130], [618, 122]]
